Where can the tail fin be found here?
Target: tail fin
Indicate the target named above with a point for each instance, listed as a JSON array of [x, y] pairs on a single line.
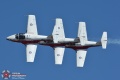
[[58, 31], [104, 40], [82, 33]]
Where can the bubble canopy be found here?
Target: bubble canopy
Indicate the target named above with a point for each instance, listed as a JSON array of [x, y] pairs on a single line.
[[20, 36]]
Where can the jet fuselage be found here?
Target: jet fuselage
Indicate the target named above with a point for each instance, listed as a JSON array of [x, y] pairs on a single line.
[[48, 41]]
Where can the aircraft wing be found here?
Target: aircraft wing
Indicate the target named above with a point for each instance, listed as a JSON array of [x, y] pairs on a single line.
[[59, 53], [32, 26], [30, 52], [82, 33], [58, 31], [81, 55]]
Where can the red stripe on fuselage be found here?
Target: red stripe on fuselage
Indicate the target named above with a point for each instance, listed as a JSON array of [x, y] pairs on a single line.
[[28, 42], [56, 44]]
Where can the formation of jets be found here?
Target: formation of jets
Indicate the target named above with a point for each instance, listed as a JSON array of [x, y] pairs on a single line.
[[57, 40]]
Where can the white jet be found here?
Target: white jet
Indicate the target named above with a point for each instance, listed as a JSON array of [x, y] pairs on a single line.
[[31, 39], [84, 44], [57, 40]]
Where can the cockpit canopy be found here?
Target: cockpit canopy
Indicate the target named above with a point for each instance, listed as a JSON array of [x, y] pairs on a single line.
[[20, 36]]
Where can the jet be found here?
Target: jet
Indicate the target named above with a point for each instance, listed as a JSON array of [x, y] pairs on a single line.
[[31, 38], [57, 41], [82, 46], [80, 43]]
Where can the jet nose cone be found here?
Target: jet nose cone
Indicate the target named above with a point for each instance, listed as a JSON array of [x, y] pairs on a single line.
[[11, 37]]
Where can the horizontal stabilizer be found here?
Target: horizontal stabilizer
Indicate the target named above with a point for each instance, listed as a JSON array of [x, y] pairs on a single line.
[[104, 40], [59, 53]]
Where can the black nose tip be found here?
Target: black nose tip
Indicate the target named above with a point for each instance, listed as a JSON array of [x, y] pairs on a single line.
[[7, 39]]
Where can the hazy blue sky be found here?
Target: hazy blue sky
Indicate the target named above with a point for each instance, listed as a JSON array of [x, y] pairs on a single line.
[[99, 15]]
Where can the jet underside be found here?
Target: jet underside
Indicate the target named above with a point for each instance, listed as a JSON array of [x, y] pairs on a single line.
[[57, 41]]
